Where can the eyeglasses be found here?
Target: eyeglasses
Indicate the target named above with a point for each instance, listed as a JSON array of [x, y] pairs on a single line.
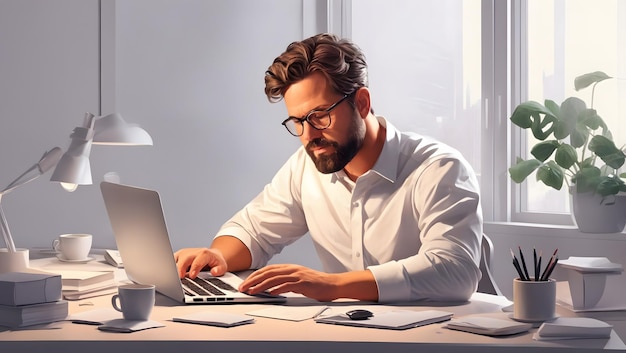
[[318, 119]]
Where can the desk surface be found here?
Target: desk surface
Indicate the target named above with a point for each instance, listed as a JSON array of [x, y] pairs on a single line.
[[287, 336]]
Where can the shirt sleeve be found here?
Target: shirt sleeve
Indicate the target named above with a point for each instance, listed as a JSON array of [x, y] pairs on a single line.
[[273, 219], [446, 202]]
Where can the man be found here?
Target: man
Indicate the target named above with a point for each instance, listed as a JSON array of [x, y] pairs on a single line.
[[393, 216]]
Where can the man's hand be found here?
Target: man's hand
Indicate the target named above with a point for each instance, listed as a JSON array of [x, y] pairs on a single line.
[[277, 279], [193, 260]]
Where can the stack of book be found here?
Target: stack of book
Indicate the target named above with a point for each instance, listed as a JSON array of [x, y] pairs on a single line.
[[87, 284], [30, 299]]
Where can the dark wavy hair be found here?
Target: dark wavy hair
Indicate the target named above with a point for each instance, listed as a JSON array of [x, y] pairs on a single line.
[[341, 61]]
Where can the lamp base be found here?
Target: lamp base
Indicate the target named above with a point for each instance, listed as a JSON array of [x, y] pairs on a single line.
[[13, 261]]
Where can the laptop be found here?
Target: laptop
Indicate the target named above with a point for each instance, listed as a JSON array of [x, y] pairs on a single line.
[[140, 231]]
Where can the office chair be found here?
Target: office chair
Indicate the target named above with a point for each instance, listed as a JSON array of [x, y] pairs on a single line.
[[487, 284]]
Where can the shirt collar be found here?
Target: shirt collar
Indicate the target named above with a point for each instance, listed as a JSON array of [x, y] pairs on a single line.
[[387, 163]]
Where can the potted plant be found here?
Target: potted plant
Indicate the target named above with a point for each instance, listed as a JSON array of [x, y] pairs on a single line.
[[575, 148]]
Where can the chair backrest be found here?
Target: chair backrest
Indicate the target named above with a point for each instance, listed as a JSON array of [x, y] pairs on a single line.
[[487, 284]]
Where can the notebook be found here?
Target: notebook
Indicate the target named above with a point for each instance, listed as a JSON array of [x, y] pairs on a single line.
[[140, 231]]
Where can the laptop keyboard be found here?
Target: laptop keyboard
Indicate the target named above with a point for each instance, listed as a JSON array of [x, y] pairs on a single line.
[[211, 286]]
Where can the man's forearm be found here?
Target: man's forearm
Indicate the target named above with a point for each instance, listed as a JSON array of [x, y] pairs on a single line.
[[235, 253], [360, 285]]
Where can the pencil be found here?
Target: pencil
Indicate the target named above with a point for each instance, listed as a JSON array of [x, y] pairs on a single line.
[[548, 266], [535, 264], [549, 271], [517, 268], [538, 276], [521, 256]]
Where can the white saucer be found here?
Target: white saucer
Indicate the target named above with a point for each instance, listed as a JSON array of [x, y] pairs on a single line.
[[81, 261], [532, 321]]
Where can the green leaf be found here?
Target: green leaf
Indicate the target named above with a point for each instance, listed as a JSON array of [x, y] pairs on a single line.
[[579, 136], [565, 156], [552, 107], [522, 113], [587, 179], [587, 162], [543, 150], [610, 186], [551, 175], [561, 129], [615, 160], [523, 169], [534, 116], [607, 151], [591, 119], [542, 128], [586, 80], [571, 109]]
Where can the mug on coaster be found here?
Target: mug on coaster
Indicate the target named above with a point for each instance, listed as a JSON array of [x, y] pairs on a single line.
[[135, 301], [73, 247]]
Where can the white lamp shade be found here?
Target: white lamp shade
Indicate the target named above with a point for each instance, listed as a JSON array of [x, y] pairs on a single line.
[[113, 130], [73, 170], [74, 167]]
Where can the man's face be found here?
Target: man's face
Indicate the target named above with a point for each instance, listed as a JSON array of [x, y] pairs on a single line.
[[333, 148]]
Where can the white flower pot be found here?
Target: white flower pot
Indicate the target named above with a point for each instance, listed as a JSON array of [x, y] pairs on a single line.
[[593, 213]]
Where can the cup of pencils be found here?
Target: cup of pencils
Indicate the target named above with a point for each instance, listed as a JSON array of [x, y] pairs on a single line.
[[534, 292]]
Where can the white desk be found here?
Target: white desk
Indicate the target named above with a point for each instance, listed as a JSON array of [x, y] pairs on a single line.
[[270, 335]]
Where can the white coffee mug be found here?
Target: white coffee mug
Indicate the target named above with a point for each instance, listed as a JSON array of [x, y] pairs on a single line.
[[135, 301], [73, 247]]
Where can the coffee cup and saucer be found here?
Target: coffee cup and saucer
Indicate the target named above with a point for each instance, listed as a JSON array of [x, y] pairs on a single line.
[[73, 248]]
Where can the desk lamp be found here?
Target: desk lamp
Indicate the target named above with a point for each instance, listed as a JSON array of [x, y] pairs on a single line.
[[71, 169]]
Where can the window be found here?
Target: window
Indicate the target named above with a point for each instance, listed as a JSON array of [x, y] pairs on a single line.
[[565, 39]]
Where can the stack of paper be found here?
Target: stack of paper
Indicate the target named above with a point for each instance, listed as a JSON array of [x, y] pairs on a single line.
[[86, 284], [573, 328]]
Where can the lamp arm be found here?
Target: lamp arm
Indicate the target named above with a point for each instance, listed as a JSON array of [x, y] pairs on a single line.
[[46, 162], [21, 180], [4, 228]]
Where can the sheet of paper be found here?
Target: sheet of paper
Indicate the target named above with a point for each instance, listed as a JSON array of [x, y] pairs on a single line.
[[128, 326], [291, 313], [214, 318], [95, 317]]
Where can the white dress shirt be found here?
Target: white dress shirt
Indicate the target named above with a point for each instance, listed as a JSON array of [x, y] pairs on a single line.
[[414, 220]]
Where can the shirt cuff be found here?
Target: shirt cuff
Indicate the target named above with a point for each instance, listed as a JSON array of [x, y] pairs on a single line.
[[392, 281]]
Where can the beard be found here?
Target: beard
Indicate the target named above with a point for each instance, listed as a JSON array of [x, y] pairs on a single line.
[[342, 154]]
